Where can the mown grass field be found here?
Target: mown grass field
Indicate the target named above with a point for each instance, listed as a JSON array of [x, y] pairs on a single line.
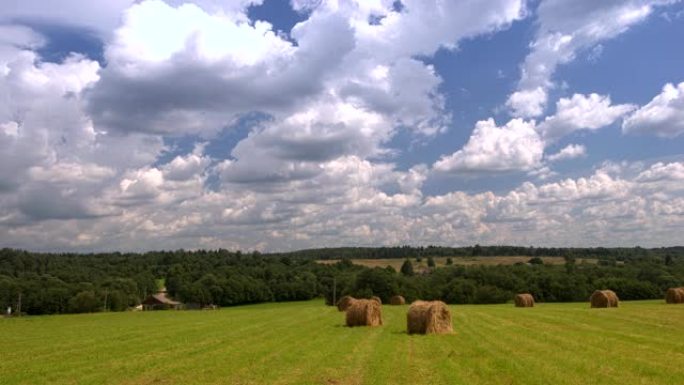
[[465, 261], [306, 343]]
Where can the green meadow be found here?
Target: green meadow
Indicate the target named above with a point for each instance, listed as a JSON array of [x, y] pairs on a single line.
[[307, 343]]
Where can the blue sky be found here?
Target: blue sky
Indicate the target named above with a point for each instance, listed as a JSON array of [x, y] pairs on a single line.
[[278, 125]]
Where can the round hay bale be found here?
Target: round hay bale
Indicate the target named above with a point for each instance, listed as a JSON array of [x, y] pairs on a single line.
[[524, 300], [674, 295], [426, 317], [613, 300], [397, 300], [376, 299], [604, 298], [364, 312], [345, 302]]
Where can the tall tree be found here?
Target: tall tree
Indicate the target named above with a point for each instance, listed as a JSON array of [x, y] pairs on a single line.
[[407, 268]]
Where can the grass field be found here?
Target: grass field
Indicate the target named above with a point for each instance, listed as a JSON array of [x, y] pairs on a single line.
[[306, 343], [465, 261]]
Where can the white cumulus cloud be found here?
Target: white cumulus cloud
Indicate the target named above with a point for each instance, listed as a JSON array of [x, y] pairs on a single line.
[[567, 27], [663, 116], [570, 151], [514, 146], [582, 112]]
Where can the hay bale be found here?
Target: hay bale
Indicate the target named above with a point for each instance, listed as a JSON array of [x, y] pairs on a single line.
[[524, 300], [376, 299], [425, 317], [397, 300], [364, 312], [604, 298], [345, 302], [674, 295]]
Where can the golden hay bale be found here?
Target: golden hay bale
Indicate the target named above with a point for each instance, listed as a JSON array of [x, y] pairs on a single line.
[[364, 312], [397, 300], [345, 302], [675, 295], [376, 299], [604, 298], [425, 317], [524, 300]]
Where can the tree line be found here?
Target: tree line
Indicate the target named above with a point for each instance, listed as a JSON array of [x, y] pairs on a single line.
[[44, 283], [614, 253]]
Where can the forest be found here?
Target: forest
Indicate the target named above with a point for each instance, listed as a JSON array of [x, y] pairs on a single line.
[[49, 283]]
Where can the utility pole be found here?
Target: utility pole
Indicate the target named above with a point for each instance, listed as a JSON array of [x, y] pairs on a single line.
[[105, 301], [334, 291], [19, 305]]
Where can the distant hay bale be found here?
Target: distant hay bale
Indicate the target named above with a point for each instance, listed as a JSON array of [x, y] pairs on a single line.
[[376, 299], [524, 300], [426, 317], [675, 295], [604, 298], [345, 302], [364, 312], [397, 300]]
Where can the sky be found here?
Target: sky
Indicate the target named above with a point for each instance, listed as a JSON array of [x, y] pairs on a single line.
[[278, 125]]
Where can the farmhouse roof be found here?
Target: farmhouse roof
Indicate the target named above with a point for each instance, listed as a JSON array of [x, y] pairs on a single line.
[[159, 298]]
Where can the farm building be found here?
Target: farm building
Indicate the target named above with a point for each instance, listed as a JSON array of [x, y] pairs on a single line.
[[160, 301]]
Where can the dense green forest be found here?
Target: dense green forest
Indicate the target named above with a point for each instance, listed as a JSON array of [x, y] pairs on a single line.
[[616, 253], [61, 283]]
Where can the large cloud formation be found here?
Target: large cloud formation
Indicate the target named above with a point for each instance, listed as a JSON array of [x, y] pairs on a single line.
[[662, 116], [86, 161], [515, 146], [520, 145], [567, 28]]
